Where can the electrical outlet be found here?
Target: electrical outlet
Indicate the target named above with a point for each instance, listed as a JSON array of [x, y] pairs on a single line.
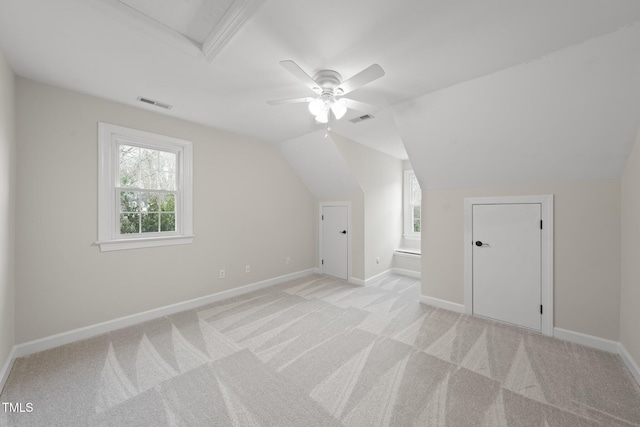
[[222, 274], [288, 260], [247, 268]]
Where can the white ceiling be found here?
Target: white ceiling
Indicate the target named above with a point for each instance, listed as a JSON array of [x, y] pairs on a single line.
[[424, 46], [319, 164]]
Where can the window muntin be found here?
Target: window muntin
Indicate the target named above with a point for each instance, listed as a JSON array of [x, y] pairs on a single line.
[[145, 189]]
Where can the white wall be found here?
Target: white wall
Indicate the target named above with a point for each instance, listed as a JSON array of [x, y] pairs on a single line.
[[586, 250], [7, 209], [630, 289], [380, 177], [249, 208]]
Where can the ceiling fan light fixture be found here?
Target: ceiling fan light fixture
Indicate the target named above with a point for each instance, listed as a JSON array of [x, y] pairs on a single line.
[[338, 108], [316, 106], [330, 87], [323, 116]]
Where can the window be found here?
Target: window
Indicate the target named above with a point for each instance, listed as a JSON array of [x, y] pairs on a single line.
[[145, 189], [412, 205]]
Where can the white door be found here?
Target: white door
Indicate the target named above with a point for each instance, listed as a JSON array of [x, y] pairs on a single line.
[[335, 244], [507, 263]]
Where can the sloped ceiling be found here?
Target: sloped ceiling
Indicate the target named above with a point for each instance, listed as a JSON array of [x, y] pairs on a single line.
[[320, 165], [569, 116], [425, 47]]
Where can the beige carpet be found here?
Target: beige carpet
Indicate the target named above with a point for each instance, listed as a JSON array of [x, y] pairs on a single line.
[[321, 352]]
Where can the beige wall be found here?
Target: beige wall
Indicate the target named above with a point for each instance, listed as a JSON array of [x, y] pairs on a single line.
[[630, 289], [380, 177], [586, 250], [7, 211], [407, 263], [249, 208]]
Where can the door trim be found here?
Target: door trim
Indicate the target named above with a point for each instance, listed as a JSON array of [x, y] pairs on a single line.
[[349, 228], [546, 202]]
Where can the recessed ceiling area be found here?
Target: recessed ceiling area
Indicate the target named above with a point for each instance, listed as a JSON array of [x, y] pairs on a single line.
[[209, 24], [194, 19]]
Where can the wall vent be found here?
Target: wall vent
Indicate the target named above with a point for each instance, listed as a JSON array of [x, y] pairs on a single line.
[[361, 118], [154, 102]]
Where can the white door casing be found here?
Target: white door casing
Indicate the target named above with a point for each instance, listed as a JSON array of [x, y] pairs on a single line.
[[335, 239], [511, 275]]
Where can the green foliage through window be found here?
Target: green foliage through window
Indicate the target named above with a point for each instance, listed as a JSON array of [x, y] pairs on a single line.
[[141, 171]]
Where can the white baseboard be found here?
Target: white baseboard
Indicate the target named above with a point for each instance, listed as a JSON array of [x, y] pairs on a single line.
[[600, 344], [400, 271], [587, 340], [378, 276], [8, 364], [122, 322], [631, 364], [356, 281], [440, 303], [405, 272]]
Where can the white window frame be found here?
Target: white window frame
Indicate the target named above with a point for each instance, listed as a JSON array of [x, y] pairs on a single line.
[[109, 138], [408, 212]]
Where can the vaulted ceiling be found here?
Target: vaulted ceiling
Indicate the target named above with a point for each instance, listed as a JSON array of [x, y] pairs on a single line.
[[459, 73]]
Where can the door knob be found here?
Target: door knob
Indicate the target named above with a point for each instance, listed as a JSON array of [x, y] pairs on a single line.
[[479, 243], [343, 232]]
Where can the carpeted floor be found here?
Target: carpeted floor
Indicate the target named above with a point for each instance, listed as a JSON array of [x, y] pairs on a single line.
[[320, 352]]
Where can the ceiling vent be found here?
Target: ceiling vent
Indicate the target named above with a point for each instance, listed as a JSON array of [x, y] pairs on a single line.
[[154, 102], [361, 118]]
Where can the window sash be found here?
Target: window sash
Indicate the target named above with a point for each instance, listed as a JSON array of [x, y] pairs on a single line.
[[111, 137], [412, 198], [140, 233], [118, 191], [157, 171]]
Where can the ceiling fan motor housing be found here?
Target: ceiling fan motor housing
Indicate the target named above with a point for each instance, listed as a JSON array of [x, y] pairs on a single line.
[[328, 80]]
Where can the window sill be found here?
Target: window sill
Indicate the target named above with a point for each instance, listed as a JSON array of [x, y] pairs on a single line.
[[148, 242], [408, 252], [411, 236]]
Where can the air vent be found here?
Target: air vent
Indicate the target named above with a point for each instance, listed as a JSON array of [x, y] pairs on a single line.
[[361, 118], [154, 102]]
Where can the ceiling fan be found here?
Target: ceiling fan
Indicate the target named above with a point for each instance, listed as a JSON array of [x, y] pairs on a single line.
[[330, 89]]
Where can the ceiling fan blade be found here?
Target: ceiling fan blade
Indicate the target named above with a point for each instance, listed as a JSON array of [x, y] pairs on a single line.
[[290, 101], [360, 106], [362, 78], [294, 69]]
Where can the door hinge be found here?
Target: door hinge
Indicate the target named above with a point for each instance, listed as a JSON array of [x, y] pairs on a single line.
[[540, 308], [322, 262], [540, 224], [323, 217]]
